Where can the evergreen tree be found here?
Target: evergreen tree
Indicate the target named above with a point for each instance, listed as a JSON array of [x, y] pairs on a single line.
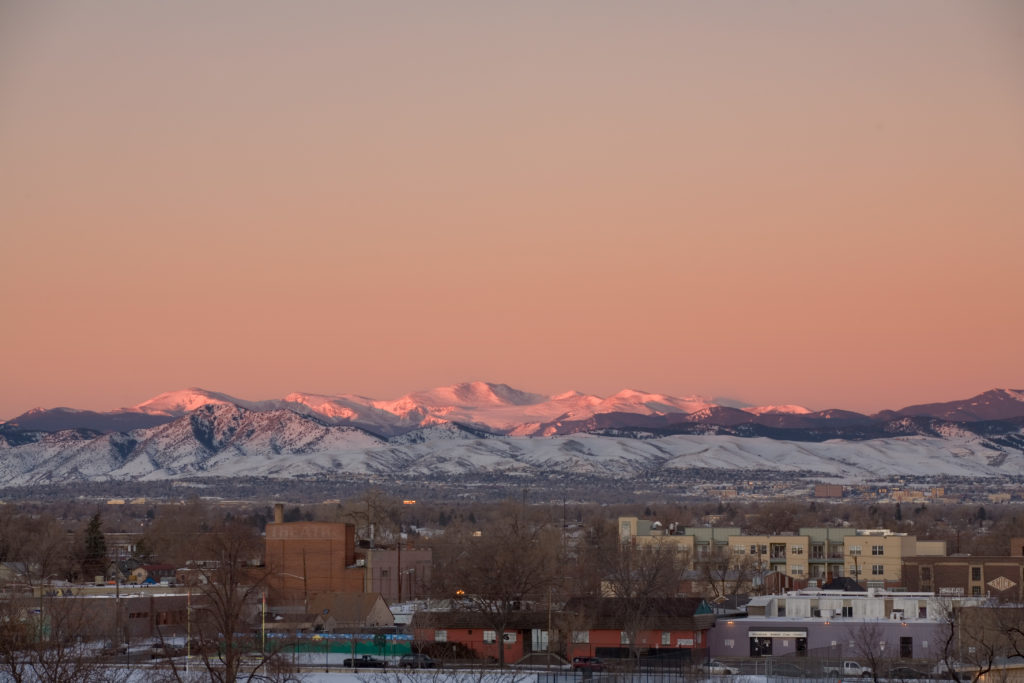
[[94, 561]]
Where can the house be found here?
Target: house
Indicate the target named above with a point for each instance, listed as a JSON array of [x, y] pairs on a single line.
[[339, 612]]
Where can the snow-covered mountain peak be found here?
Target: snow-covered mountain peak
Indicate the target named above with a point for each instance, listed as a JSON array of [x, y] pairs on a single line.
[[633, 401], [174, 403], [474, 394], [786, 409]]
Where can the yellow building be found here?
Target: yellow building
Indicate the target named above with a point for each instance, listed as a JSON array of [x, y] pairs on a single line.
[[786, 554], [875, 556]]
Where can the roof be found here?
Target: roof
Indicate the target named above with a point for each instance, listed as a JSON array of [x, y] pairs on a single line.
[[471, 619], [347, 608], [607, 613], [844, 583]]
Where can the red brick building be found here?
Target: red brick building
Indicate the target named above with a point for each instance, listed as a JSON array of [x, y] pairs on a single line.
[[307, 558], [998, 577]]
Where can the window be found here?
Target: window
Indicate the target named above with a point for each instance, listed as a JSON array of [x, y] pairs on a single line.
[[739, 550], [666, 637], [976, 591], [796, 570], [855, 570], [796, 550], [581, 636], [878, 550], [877, 569], [855, 550], [490, 636], [926, 573], [441, 636], [975, 573], [753, 550], [848, 611], [906, 647]]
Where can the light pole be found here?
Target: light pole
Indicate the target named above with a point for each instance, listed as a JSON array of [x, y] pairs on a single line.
[[327, 645], [401, 522]]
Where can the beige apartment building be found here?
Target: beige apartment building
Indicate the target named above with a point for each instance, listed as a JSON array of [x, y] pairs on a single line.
[[873, 557]]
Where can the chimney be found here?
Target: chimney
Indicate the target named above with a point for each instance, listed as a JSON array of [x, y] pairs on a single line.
[[278, 513]]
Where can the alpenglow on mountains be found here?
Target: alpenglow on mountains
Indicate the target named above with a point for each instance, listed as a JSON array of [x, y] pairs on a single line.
[[483, 428]]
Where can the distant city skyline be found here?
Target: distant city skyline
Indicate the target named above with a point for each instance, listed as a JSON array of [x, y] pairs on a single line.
[[810, 203]]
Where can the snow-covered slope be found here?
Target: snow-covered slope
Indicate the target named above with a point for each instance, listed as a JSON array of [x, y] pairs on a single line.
[[230, 441]]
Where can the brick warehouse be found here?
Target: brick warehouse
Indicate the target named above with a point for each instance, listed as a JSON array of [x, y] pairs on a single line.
[[973, 576], [307, 558]]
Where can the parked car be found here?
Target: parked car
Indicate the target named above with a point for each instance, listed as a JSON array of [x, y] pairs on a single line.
[[906, 673], [416, 661], [365, 662], [158, 650], [786, 669], [716, 668], [587, 664], [847, 669]]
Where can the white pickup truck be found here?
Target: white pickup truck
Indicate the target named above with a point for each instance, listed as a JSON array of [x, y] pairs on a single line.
[[847, 669]]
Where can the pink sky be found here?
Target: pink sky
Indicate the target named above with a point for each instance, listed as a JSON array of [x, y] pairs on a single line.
[[807, 202]]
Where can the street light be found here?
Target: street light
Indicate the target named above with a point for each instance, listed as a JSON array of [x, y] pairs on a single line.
[[327, 645], [401, 521]]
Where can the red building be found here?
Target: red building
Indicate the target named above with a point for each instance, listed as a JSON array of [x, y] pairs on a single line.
[[307, 558], [622, 627], [611, 628], [469, 635]]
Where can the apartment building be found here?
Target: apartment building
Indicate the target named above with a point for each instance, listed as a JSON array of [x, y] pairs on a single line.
[[813, 554], [875, 557], [691, 541]]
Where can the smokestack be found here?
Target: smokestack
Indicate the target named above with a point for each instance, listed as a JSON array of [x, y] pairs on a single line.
[[278, 513]]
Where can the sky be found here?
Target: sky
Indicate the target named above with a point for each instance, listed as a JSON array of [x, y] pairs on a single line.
[[779, 202]]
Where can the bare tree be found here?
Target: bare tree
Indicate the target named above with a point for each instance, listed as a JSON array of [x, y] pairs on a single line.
[[869, 646], [49, 639], [635, 574], [227, 586], [510, 564], [725, 574]]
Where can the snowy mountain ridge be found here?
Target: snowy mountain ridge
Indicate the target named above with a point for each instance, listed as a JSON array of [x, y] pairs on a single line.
[[227, 440], [501, 409]]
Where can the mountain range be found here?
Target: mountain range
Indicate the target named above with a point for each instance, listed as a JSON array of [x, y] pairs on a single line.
[[481, 427]]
